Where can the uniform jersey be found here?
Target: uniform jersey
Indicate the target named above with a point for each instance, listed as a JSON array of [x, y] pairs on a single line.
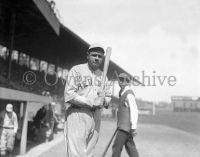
[[82, 125], [9, 122], [8, 129], [82, 85]]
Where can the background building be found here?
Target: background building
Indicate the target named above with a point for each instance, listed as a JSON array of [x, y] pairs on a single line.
[[185, 103]]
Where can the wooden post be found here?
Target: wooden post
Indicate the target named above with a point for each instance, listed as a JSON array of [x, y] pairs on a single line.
[[21, 109], [24, 130], [11, 36]]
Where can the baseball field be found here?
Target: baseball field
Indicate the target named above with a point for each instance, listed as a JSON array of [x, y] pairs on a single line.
[[166, 134]]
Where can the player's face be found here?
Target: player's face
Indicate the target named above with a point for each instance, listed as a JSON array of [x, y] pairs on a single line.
[[95, 60], [123, 82], [9, 114]]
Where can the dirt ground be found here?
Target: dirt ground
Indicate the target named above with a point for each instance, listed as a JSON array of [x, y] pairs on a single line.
[[153, 140]]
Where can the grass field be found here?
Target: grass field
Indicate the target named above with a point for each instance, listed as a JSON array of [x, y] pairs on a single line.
[[186, 121]]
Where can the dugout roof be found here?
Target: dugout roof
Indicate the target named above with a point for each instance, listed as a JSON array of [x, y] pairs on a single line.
[[37, 32]]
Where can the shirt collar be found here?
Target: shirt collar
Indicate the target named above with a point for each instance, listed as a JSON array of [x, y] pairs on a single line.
[[125, 89]]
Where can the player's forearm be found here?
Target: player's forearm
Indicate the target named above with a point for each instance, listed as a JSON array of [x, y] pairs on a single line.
[[76, 97], [81, 101]]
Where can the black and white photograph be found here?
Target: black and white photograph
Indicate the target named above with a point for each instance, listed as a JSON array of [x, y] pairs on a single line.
[[97, 78]]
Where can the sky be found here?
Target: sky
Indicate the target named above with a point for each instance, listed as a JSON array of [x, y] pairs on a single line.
[[156, 40]]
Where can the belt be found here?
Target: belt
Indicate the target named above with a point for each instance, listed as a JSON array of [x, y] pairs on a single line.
[[4, 127], [82, 108]]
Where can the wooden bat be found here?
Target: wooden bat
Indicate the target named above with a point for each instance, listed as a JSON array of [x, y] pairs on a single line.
[[105, 68], [106, 149]]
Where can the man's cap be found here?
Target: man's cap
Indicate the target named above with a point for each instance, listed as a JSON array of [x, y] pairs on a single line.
[[125, 76], [9, 107], [96, 48]]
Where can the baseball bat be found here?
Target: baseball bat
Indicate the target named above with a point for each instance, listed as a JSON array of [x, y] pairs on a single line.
[[106, 149], [105, 67]]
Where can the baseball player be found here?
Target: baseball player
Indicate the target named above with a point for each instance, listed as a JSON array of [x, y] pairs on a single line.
[[127, 117], [84, 103], [8, 130]]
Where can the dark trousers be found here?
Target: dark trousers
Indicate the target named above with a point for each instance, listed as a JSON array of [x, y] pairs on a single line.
[[124, 138]]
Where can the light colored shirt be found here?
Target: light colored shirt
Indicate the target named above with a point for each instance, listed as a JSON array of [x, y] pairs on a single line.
[[11, 122], [131, 103]]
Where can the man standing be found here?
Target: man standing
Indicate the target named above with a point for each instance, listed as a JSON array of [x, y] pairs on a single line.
[[83, 115], [127, 117], [48, 122], [8, 130]]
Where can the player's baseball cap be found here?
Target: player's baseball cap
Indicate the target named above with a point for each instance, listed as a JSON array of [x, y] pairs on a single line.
[[9, 107], [96, 48]]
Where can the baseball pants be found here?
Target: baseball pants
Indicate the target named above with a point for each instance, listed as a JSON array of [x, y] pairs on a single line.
[[81, 131], [7, 140]]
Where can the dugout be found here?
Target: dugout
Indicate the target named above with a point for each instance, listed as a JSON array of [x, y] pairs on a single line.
[[23, 103], [185, 104], [33, 27]]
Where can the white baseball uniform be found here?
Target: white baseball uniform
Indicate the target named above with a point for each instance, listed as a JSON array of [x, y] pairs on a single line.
[[82, 124]]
